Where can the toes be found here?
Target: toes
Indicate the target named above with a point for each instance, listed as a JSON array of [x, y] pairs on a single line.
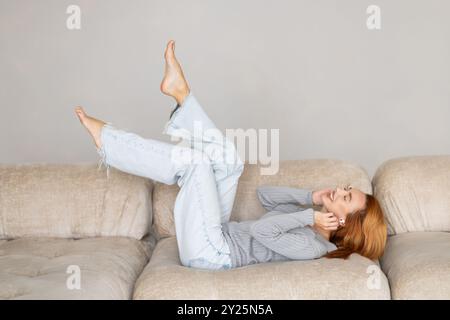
[[170, 50], [171, 45], [80, 111], [80, 114]]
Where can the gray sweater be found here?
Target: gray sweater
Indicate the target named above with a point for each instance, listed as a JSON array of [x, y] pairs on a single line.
[[284, 233]]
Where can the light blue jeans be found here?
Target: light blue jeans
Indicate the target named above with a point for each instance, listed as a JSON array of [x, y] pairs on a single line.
[[207, 171]]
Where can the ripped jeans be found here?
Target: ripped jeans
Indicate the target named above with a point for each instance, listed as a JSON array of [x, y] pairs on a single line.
[[207, 171]]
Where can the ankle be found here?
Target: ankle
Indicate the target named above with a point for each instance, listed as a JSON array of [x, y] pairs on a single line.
[[181, 96]]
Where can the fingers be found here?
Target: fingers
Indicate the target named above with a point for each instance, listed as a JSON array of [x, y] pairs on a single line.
[[327, 220], [331, 222], [332, 226]]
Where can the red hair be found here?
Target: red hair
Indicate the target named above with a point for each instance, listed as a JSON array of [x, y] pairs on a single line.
[[364, 232]]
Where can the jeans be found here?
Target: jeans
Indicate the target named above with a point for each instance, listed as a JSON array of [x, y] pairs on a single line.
[[207, 171]]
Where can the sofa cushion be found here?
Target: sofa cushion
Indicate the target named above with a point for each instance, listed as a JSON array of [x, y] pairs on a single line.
[[36, 268], [417, 265], [414, 193], [75, 200], [165, 278], [308, 174]]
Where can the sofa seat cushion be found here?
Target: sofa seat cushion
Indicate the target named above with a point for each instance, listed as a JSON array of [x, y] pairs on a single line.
[[37, 268], [417, 265], [165, 278]]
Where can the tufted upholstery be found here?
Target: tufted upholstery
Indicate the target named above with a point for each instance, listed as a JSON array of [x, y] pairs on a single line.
[[56, 216], [36, 268], [293, 173]]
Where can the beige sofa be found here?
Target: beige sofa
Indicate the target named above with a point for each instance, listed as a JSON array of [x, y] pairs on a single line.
[[120, 233], [415, 195]]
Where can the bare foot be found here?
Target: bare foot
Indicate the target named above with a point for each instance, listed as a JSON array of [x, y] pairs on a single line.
[[174, 84], [94, 126]]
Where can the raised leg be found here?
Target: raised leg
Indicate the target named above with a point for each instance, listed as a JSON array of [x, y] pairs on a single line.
[[153, 159], [197, 209], [191, 123], [207, 185], [129, 152]]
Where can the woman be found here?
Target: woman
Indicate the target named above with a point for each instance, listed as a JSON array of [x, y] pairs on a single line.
[[207, 172]]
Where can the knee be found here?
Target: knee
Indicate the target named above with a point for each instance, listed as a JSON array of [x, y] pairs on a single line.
[[197, 165]]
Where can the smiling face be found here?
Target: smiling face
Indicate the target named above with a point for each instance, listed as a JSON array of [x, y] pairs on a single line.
[[344, 201]]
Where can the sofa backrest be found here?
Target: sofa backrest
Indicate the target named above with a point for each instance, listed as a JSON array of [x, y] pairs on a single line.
[[72, 201], [308, 174], [414, 193]]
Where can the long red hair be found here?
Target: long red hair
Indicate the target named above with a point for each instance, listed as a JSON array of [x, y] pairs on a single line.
[[364, 232]]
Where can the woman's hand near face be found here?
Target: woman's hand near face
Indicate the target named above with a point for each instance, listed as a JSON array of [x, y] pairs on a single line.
[[325, 220], [318, 194]]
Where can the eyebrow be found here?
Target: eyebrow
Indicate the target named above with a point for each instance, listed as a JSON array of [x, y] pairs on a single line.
[[350, 194]]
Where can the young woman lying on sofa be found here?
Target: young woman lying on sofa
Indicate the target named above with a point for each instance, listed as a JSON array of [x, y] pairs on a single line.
[[350, 221]]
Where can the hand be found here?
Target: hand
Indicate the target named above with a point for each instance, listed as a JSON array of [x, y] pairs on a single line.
[[325, 220], [318, 194]]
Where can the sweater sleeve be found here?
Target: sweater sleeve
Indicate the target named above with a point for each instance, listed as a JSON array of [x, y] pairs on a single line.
[[273, 233], [272, 197]]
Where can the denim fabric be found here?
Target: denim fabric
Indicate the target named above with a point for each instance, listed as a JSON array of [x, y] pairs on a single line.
[[207, 172]]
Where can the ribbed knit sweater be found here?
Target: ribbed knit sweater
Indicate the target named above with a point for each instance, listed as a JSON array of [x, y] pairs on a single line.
[[284, 233]]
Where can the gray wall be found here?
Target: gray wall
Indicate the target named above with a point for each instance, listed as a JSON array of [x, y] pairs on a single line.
[[310, 68]]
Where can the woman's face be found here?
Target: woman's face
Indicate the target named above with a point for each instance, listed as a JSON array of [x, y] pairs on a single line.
[[344, 201]]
